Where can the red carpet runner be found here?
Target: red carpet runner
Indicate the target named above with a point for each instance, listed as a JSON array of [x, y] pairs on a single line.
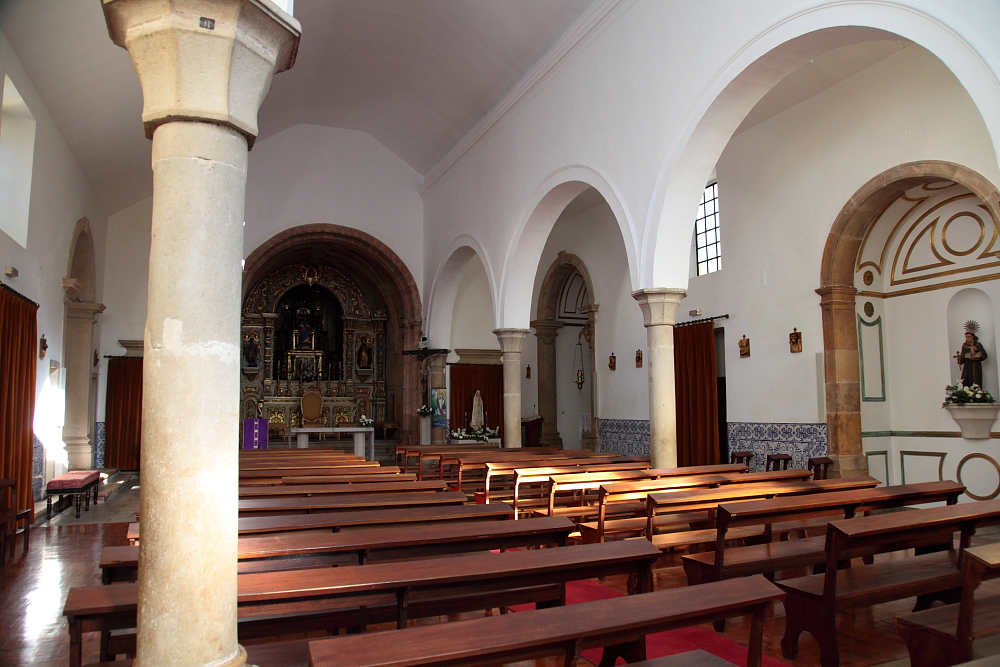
[[661, 643]]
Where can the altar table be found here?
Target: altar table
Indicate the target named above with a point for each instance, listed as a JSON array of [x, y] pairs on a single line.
[[364, 438]]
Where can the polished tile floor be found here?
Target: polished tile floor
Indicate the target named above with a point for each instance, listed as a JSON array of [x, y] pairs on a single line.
[[64, 553]]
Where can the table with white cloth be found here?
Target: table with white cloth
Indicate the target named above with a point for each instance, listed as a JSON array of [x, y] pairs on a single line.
[[364, 438]]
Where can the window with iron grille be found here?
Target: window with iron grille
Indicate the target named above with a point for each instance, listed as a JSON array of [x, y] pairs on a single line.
[[707, 244]]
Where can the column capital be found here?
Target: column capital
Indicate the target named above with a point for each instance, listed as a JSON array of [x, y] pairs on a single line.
[[659, 304], [203, 60], [547, 330], [438, 361], [83, 310], [511, 339], [837, 295]]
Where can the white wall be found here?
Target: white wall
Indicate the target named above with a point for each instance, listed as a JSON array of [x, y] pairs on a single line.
[[127, 283], [309, 174], [783, 182], [472, 322], [60, 195]]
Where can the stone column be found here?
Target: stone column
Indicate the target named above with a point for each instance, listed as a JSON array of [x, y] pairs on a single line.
[[545, 335], [842, 368], [78, 360], [438, 380], [659, 306], [511, 341], [204, 67]]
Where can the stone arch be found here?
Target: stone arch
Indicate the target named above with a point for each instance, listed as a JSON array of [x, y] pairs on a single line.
[[837, 292], [547, 326], [81, 266], [524, 251], [751, 73], [444, 289], [81, 311], [385, 276]]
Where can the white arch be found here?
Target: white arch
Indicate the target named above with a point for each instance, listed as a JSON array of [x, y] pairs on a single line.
[[444, 289], [525, 249], [753, 71]]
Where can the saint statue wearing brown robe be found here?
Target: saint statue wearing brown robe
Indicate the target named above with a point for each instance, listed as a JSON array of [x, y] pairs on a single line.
[[971, 358]]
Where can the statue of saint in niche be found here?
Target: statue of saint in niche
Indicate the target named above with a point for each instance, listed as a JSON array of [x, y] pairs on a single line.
[[364, 354], [971, 357], [305, 334]]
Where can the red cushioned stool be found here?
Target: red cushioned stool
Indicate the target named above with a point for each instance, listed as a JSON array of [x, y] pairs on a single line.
[[74, 483]]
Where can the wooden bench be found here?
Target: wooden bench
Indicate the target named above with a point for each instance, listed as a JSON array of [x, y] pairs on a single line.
[[76, 484], [518, 475], [356, 520], [369, 488], [618, 624], [272, 506], [792, 513], [537, 478], [351, 479], [620, 498], [697, 501], [433, 452], [462, 465], [295, 600], [811, 602], [359, 547], [943, 636]]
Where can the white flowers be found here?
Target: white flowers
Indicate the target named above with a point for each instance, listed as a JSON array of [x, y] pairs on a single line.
[[958, 394]]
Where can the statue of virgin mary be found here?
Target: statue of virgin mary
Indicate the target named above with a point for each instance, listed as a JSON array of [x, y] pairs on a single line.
[[478, 421]]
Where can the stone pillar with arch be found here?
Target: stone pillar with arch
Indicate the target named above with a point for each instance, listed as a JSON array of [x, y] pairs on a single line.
[[204, 67], [659, 309], [511, 341]]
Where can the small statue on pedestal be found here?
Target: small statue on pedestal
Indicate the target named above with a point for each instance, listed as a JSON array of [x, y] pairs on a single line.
[[971, 356]]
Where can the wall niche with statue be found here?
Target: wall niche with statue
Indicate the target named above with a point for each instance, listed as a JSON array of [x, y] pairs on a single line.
[[310, 328]]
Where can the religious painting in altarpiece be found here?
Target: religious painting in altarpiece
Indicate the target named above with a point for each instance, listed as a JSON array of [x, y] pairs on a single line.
[[310, 328]]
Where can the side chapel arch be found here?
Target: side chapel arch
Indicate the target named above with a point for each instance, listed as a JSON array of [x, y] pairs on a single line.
[[547, 327], [382, 277], [837, 293]]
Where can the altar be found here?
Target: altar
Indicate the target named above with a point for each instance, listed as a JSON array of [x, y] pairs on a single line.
[[364, 438]]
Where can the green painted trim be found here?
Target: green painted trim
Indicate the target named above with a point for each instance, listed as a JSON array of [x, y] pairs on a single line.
[[884, 454], [940, 455], [877, 323], [920, 434]]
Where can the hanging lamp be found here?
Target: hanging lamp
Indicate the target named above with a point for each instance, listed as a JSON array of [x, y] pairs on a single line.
[[578, 365]]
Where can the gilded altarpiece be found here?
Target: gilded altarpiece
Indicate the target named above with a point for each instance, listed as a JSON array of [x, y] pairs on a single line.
[[310, 328]]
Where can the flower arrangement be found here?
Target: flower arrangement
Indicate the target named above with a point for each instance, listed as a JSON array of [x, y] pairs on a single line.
[[956, 394], [366, 421], [425, 411], [479, 435]]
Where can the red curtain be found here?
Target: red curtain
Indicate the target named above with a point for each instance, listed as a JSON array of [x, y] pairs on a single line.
[[696, 395], [123, 421], [465, 380], [18, 366]]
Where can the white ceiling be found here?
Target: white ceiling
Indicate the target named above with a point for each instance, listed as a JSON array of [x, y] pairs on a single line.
[[415, 75]]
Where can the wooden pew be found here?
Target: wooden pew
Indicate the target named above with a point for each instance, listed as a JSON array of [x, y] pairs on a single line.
[[357, 596], [627, 497], [709, 499], [355, 520], [943, 636], [619, 624], [296, 462], [812, 602], [431, 452], [776, 513], [355, 477], [264, 506], [462, 465], [359, 547], [540, 474], [365, 468], [307, 490]]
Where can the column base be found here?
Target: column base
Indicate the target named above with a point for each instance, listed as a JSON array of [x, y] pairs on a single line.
[[550, 440], [80, 453], [849, 465]]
